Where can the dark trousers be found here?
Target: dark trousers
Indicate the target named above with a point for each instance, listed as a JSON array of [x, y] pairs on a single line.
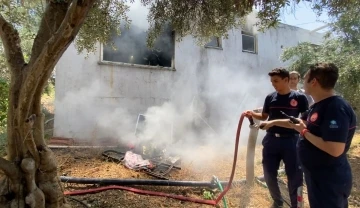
[[328, 188], [276, 149]]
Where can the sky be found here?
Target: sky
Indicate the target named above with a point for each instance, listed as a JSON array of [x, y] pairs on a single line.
[[304, 17]]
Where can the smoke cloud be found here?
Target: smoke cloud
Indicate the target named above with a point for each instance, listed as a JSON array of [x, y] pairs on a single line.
[[203, 109], [181, 125]]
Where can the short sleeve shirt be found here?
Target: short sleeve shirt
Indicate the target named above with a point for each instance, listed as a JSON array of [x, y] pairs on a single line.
[[332, 119], [292, 104]]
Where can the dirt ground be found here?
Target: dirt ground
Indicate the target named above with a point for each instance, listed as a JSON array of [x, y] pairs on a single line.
[[90, 163]]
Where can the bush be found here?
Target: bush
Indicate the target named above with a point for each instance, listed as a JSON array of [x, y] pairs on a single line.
[[4, 98], [49, 88], [2, 142]]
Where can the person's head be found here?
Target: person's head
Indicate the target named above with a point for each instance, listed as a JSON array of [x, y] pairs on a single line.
[[280, 79], [294, 79], [321, 77]]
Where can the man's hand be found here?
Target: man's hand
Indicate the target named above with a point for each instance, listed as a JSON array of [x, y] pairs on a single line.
[[298, 127], [258, 116], [249, 113], [266, 125]]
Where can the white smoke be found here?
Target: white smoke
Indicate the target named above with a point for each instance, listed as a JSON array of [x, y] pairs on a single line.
[[138, 15], [203, 108]]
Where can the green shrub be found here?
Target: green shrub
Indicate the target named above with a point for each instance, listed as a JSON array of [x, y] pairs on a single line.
[[4, 98]]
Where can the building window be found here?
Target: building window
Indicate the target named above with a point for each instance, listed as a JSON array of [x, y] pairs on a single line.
[[131, 48], [215, 42], [248, 43]]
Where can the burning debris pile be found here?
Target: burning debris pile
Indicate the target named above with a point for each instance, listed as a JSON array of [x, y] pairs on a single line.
[[157, 168], [146, 156]]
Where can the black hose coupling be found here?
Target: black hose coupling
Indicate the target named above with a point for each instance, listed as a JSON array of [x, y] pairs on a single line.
[[292, 118], [252, 123], [251, 120]]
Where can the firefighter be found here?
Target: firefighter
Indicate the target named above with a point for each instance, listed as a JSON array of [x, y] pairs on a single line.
[[327, 130], [279, 143], [294, 81]]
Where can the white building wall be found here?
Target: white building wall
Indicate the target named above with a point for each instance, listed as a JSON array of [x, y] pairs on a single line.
[[227, 81]]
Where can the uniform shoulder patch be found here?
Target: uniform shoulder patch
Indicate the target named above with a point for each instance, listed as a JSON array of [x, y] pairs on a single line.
[[293, 103], [313, 117]]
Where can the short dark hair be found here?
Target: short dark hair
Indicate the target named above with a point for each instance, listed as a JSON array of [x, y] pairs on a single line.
[[281, 72], [326, 74]]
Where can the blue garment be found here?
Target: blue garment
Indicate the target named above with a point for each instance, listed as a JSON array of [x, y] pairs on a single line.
[[277, 149], [280, 144], [292, 104], [328, 178]]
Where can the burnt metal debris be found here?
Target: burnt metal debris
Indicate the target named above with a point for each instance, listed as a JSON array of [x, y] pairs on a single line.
[[159, 168]]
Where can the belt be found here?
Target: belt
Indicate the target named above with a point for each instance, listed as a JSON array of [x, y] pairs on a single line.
[[282, 135]]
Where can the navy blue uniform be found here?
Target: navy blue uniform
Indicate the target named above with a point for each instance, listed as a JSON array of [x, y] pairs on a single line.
[[328, 178], [280, 144]]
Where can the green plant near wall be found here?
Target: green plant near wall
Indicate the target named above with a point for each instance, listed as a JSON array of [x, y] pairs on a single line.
[[4, 96], [2, 143]]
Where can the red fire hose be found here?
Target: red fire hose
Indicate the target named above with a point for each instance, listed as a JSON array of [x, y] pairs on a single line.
[[222, 194], [143, 192], [183, 198]]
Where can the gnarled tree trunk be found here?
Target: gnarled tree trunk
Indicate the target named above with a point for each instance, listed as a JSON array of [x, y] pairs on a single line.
[[30, 167]]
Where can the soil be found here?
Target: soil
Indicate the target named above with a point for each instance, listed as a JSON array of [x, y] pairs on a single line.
[[90, 163]]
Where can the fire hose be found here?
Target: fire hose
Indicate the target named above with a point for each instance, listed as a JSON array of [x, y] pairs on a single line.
[[152, 193]]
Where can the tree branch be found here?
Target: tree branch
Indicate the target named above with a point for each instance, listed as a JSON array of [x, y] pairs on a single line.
[[53, 17], [37, 109], [52, 51], [11, 41], [29, 139]]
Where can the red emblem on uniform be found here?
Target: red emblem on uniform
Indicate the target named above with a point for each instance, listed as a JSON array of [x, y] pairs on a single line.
[[313, 117], [293, 103]]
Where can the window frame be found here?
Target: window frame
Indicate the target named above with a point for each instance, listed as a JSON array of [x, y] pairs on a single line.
[[115, 63], [219, 41], [255, 42]]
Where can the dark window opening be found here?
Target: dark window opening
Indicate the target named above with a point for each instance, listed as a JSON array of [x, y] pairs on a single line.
[[215, 42], [248, 43], [131, 47]]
